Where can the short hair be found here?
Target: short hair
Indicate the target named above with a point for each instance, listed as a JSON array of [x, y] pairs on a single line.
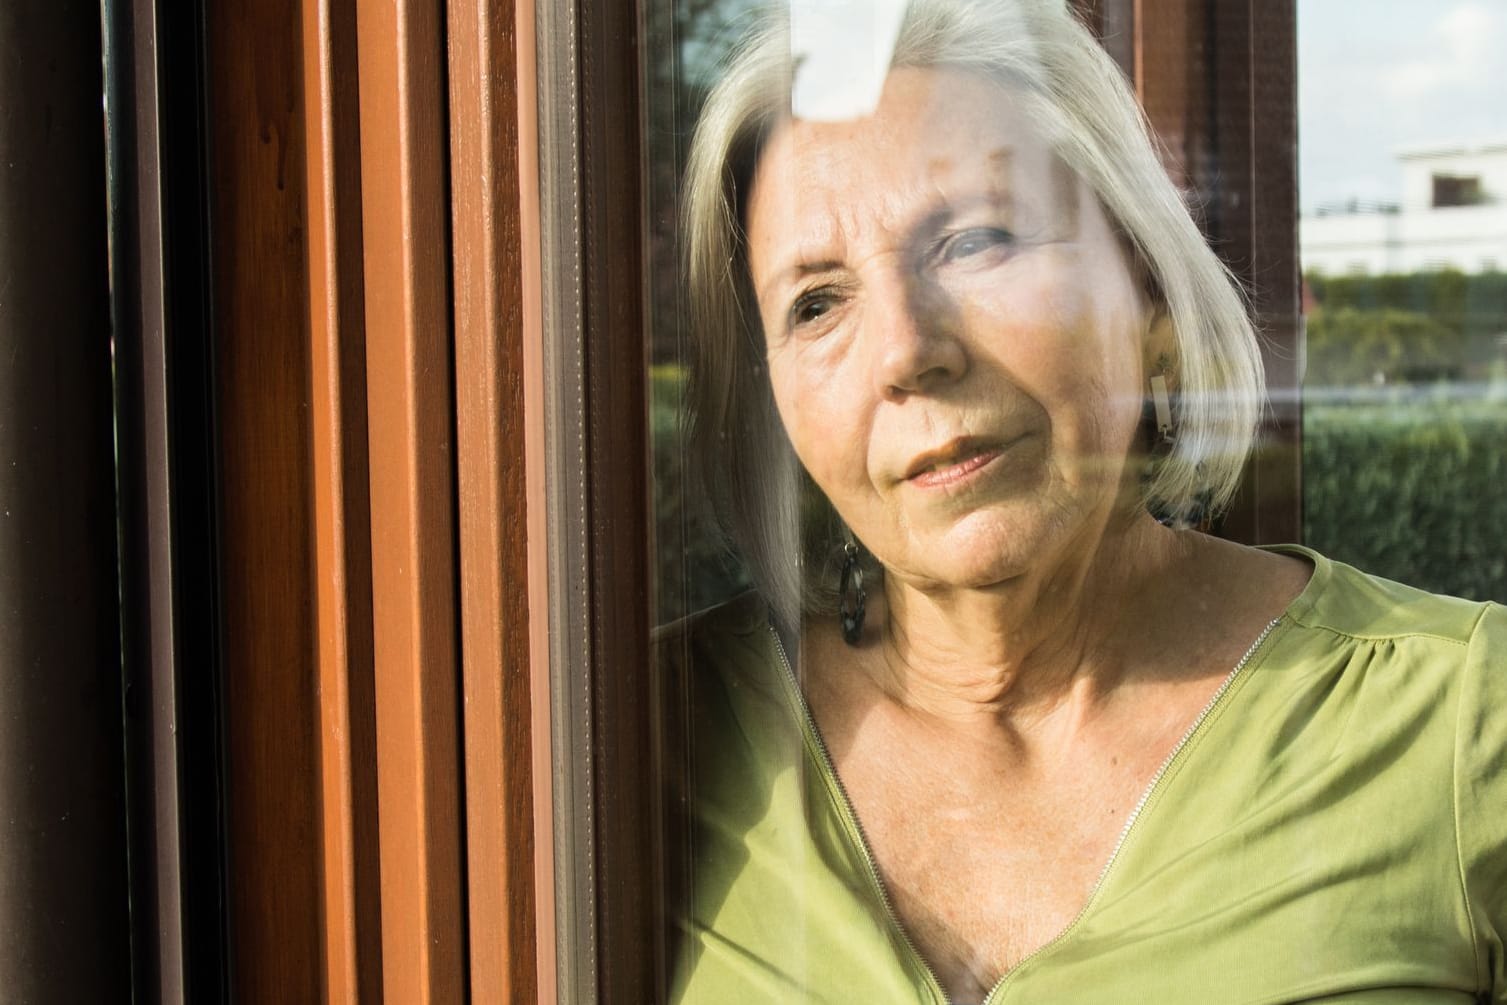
[[1078, 97]]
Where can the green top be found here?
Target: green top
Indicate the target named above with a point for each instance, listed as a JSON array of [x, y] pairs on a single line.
[[1334, 828]]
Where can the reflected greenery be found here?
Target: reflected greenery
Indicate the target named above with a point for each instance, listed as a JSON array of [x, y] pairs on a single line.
[[694, 568], [1414, 489], [1407, 326], [1405, 428], [1347, 345], [687, 41]]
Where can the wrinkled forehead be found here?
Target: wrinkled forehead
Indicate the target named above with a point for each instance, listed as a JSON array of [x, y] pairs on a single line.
[[936, 135]]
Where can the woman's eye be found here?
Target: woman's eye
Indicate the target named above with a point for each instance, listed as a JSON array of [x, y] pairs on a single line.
[[974, 242], [811, 307]]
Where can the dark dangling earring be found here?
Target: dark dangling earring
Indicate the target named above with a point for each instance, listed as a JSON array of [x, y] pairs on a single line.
[[850, 595]]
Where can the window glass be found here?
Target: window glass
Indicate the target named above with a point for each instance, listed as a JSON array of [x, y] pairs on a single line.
[[956, 370], [687, 41], [1403, 235]]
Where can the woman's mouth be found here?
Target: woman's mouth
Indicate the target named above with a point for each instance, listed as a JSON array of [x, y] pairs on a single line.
[[954, 463]]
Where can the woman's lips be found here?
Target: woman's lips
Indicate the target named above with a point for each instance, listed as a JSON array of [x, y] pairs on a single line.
[[953, 464]]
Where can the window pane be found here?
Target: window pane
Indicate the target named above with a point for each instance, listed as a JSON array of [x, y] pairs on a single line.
[[687, 42], [954, 373], [1404, 238]]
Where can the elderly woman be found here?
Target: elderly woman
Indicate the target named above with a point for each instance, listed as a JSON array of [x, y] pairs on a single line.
[[999, 726]]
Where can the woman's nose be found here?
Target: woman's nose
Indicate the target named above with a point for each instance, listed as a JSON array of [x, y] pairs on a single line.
[[917, 348]]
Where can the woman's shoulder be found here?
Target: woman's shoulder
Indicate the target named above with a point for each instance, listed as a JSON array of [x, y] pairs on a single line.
[[1392, 707], [726, 655], [730, 638], [737, 617], [1346, 603]]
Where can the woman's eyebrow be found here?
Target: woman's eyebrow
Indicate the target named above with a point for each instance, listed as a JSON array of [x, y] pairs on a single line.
[[795, 271]]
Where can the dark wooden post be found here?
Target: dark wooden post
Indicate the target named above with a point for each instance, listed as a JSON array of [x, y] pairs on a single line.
[[64, 934]]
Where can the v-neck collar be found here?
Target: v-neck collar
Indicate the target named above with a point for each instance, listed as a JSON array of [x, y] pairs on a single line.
[[820, 758]]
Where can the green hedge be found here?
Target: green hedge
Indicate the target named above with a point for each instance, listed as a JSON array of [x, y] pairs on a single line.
[[1348, 346], [1414, 490], [1468, 305]]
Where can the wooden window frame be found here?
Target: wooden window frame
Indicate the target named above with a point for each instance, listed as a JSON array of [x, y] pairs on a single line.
[[367, 214], [1218, 82]]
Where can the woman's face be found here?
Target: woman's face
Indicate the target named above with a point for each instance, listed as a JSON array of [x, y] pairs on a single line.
[[956, 341]]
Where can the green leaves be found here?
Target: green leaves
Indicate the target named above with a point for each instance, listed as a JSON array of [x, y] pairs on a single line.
[[1414, 490]]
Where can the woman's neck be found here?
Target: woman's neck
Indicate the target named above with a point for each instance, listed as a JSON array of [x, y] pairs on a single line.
[[1026, 646]]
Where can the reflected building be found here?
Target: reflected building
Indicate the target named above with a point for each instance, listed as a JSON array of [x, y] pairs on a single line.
[[1453, 215]]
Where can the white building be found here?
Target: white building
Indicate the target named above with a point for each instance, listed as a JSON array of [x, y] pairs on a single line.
[[1453, 214]]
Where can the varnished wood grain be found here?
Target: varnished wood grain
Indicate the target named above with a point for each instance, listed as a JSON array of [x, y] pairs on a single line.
[[489, 331], [350, 915], [629, 873], [411, 436], [260, 328]]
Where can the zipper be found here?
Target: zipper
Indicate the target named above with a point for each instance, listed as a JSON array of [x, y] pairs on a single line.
[[1135, 814], [877, 881], [845, 807]]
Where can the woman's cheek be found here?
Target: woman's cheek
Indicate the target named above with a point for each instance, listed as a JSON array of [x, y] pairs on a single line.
[[822, 432]]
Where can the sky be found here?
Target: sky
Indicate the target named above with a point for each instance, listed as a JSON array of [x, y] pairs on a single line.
[[1383, 75]]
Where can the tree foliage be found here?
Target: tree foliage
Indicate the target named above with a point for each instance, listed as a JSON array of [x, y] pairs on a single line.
[[1412, 327], [1348, 345], [1469, 305]]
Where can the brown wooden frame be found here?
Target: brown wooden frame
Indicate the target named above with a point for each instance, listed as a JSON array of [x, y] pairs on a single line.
[[489, 54], [350, 896], [410, 429], [264, 473], [383, 740], [1218, 81]]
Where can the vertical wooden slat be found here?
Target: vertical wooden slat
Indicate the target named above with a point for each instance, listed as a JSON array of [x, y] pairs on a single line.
[[629, 874], [64, 922], [1217, 80], [351, 899], [260, 325], [403, 145], [535, 441], [485, 215], [1257, 122], [1172, 82]]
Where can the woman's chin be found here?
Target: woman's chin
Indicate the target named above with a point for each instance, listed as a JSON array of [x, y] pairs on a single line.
[[980, 553]]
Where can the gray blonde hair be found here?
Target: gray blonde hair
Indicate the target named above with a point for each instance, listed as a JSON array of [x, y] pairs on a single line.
[[1078, 97]]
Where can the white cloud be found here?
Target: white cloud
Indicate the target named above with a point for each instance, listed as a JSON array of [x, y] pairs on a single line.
[[1388, 75], [1459, 52]]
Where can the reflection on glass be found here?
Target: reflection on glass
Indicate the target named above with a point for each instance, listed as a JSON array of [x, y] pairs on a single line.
[[1404, 243], [960, 378], [690, 39]]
